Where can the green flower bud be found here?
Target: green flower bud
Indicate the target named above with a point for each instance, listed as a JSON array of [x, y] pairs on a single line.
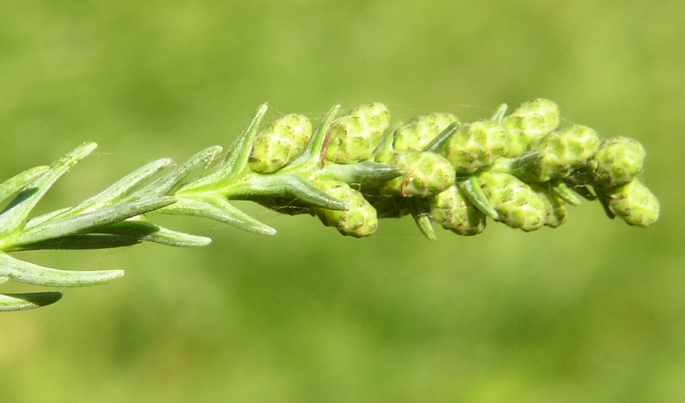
[[529, 121], [279, 143], [427, 173], [453, 211], [476, 145], [555, 208], [354, 136], [563, 151], [517, 205], [634, 203], [359, 221], [418, 132], [617, 162]]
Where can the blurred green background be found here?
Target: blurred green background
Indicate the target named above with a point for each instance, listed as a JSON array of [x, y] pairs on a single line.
[[593, 311]]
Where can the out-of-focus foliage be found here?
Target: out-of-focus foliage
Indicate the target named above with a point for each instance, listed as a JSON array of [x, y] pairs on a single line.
[[591, 311]]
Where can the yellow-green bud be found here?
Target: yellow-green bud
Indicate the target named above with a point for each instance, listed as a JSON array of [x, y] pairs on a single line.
[[359, 221], [476, 145], [517, 205], [563, 151], [617, 162], [354, 136], [529, 121], [279, 143], [415, 134], [427, 173], [555, 208], [453, 211], [634, 203]]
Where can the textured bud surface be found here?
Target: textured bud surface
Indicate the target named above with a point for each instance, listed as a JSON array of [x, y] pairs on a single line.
[[516, 203], [418, 132], [555, 208], [635, 204], [427, 173], [617, 161], [476, 145], [359, 221], [529, 121], [279, 143], [354, 136], [453, 211], [564, 150]]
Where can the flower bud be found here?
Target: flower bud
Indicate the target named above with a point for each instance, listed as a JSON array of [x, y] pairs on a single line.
[[517, 205], [427, 173], [476, 145], [354, 136], [529, 121], [555, 208], [359, 221], [563, 151], [453, 211], [279, 143], [634, 203], [617, 162], [421, 130]]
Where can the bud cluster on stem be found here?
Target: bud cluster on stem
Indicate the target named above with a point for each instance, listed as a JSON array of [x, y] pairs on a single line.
[[350, 170]]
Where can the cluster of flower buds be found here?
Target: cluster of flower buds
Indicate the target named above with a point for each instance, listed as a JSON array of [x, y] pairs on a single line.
[[520, 168]]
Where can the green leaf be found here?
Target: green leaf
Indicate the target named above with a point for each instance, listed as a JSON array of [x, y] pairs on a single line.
[[24, 272], [22, 302], [421, 217], [217, 208], [172, 179], [366, 173], [16, 213], [290, 185], [17, 182], [471, 189], [83, 222]]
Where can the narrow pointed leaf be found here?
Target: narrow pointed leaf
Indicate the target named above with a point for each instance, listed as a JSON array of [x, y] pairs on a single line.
[[22, 302], [83, 222], [472, 190], [440, 141], [169, 181], [217, 208], [78, 242], [421, 217], [561, 190], [142, 230], [365, 172], [315, 146], [499, 113], [124, 185], [17, 182], [235, 161], [289, 186], [18, 210], [24, 272]]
